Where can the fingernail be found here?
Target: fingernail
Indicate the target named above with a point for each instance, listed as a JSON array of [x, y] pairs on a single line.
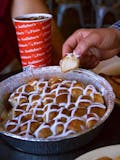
[[76, 54]]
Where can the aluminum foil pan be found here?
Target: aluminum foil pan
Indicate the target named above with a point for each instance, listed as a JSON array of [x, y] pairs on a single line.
[[58, 145]]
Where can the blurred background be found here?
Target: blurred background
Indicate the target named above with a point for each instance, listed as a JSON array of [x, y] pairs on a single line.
[[73, 14]]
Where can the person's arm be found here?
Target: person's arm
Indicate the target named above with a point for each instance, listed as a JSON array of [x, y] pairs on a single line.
[[20, 7], [93, 45]]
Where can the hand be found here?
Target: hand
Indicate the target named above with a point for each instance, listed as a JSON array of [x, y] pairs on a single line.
[[93, 45]]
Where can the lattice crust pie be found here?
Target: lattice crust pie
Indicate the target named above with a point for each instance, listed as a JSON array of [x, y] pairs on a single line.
[[54, 108]]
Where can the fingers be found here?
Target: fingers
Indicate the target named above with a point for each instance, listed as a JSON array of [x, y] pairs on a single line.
[[80, 41], [91, 41], [93, 45], [69, 45]]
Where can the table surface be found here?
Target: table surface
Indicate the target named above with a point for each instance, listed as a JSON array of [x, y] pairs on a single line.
[[109, 135]]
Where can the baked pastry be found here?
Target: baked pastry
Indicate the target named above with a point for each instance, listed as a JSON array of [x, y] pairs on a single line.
[[105, 158], [69, 62], [54, 108], [108, 158]]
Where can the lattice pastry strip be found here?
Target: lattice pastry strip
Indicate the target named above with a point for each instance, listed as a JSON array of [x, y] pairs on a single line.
[[54, 108]]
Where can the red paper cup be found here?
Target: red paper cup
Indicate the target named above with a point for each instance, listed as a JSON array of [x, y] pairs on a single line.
[[34, 39]]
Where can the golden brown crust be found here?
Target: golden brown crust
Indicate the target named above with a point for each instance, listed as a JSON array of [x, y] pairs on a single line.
[[80, 112], [108, 158], [104, 158], [54, 80], [91, 120], [55, 107], [117, 158], [76, 125], [45, 132]]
